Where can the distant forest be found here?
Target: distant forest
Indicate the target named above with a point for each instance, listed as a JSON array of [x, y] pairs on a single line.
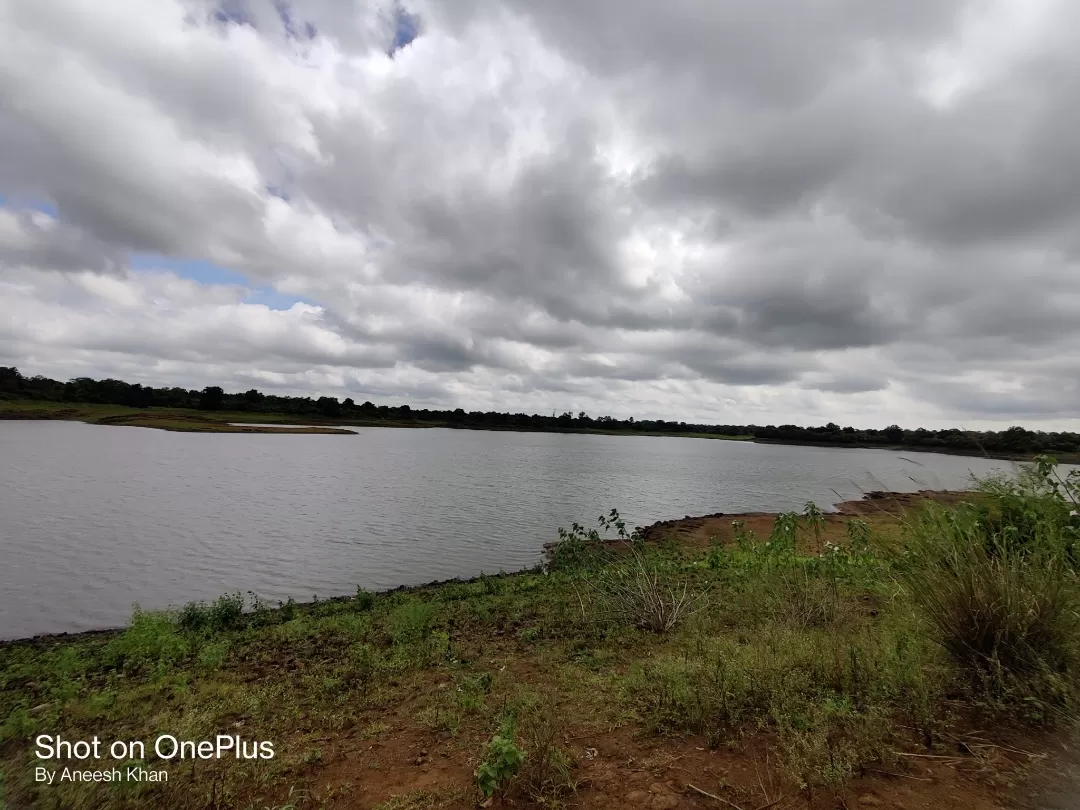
[[1016, 441]]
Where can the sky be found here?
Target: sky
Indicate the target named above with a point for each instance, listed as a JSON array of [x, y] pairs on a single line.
[[858, 211]]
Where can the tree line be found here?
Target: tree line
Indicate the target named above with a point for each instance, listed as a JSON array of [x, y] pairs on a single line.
[[1015, 440]]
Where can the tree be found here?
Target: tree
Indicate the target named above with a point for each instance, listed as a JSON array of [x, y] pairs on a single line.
[[9, 378], [328, 406], [211, 398], [894, 434]]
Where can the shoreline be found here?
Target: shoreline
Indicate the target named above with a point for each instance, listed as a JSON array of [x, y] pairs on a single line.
[[683, 529], [185, 421], [408, 684]]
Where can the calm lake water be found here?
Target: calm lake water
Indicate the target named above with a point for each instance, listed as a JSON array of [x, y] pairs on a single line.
[[95, 518]]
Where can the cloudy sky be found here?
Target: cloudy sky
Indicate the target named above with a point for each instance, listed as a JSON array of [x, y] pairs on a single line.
[[863, 211]]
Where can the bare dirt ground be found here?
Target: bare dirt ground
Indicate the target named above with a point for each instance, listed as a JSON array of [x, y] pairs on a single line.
[[408, 767]]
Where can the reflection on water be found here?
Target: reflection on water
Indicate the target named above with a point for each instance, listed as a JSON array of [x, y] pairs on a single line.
[[94, 518]]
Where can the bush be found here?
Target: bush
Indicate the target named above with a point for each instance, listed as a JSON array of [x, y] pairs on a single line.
[[621, 582], [365, 600], [224, 613], [502, 759], [996, 585], [152, 641], [411, 621]]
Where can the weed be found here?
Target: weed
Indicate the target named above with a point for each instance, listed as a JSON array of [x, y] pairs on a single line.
[[784, 534], [1003, 603], [365, 600], [152, 641], [287, 610], [815, 519], [212, 656], [548, 772], [634, 588], [411, 621], [224, 613], [501, 762]]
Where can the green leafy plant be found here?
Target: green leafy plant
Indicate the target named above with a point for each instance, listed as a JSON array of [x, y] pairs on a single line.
[[365, 600], [502, 760], [784, 534], [858, 532], [815, 519], [224, 613]]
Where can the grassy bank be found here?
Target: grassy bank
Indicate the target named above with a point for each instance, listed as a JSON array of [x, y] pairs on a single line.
[[894, 658]]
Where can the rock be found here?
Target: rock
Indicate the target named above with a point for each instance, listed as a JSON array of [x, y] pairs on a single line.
[[656, 787], [39, 708], [637, 798], [869, 800]]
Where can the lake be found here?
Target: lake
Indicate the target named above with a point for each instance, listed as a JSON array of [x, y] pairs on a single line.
[[96, 518]]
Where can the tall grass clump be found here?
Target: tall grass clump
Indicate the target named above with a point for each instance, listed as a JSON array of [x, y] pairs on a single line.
[[621, 581], [996, 583]]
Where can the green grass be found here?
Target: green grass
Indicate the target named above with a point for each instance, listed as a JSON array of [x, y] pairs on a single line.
[[833, 662]]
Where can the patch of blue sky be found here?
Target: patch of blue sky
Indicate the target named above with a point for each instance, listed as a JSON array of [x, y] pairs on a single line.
[[406, 29], [198, 270], [24, 203], [237, 12], [204, 272], [293, 27]]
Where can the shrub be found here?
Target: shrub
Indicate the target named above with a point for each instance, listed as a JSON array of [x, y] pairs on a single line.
[[577, 549], [621, 582], [365, 600], [224, 613], [152, 640], [502, 759], [411, 621], [995, 584], [549, 769]]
